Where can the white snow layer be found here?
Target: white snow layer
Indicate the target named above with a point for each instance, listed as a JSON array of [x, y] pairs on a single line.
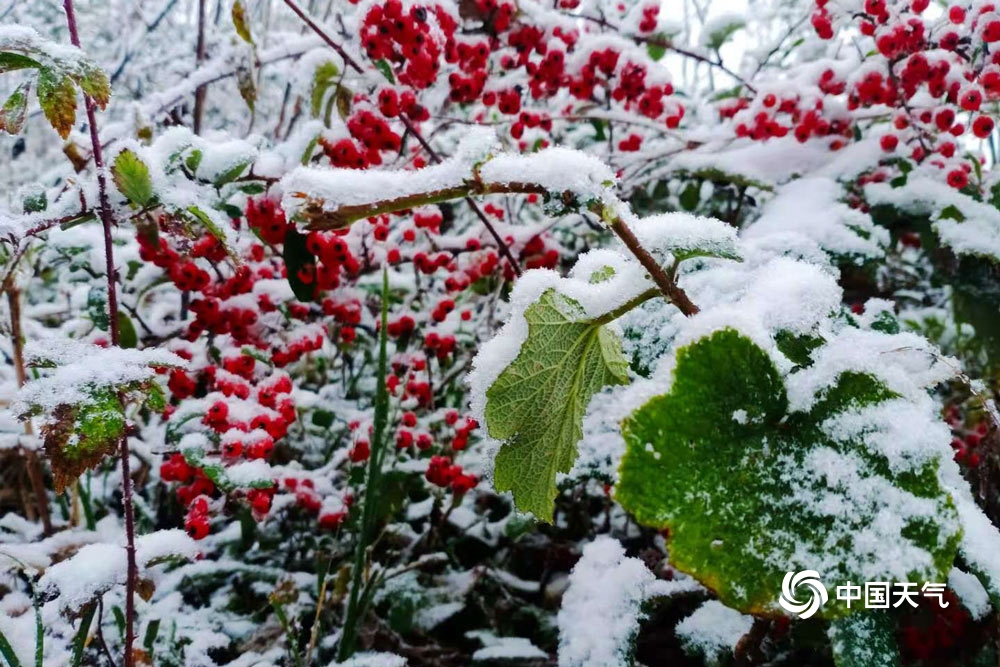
[[601, 610], [713, 630]]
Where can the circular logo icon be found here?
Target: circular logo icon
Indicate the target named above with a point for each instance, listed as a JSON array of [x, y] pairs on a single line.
[[808, 579]]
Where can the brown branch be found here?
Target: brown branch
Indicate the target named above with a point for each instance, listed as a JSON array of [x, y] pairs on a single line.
[[318, 218], [199, 93], [350, 62], [668, 286]]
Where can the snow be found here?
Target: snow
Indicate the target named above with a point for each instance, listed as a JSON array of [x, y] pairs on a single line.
[[373, 659], [506, 648], [601, 609], [977, 234], [971, 592], [682, 232], [336, 188], [556, 169], [713, 630], [813, 207], [96, 568]]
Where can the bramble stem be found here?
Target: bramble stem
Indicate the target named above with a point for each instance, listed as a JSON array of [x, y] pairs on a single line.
[[108, 222]]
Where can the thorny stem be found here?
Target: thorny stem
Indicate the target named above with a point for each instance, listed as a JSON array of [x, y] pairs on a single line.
[[353, 64], [108, 221]]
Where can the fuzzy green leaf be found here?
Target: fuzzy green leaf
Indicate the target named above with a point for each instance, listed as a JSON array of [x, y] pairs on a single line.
[[131, 177], [537, 404], [57, 95], [14, 110], [745, 486]]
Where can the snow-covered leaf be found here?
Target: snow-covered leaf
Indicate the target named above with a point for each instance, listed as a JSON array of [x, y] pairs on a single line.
[[749, 489], [865, 639]]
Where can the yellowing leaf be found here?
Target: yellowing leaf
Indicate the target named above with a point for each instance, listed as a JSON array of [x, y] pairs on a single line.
[[94, 82], [57, 95], [536, 405], [240, 22]]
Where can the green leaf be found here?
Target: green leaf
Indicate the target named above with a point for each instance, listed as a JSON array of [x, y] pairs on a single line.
[[79, 436], [57, 95], [297, 256], [241, 23], [80, 640], [97, 307], [10, 62], [385, 68], [746, 486], [797, 347], [15, 110], [325, 76], [35, 202], [656, 48], [210, 225], [864, 640], [536, 405], [951, 213], [127, 337], [690, 197], [230, 174], [131, 177], [599, 129]]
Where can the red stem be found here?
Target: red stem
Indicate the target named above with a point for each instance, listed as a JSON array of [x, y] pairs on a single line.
[[108, 221]]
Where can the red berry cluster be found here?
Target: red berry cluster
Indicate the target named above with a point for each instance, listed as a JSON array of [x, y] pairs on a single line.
[[408, 39], [442, 472], [967, 440], [916, 59]]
